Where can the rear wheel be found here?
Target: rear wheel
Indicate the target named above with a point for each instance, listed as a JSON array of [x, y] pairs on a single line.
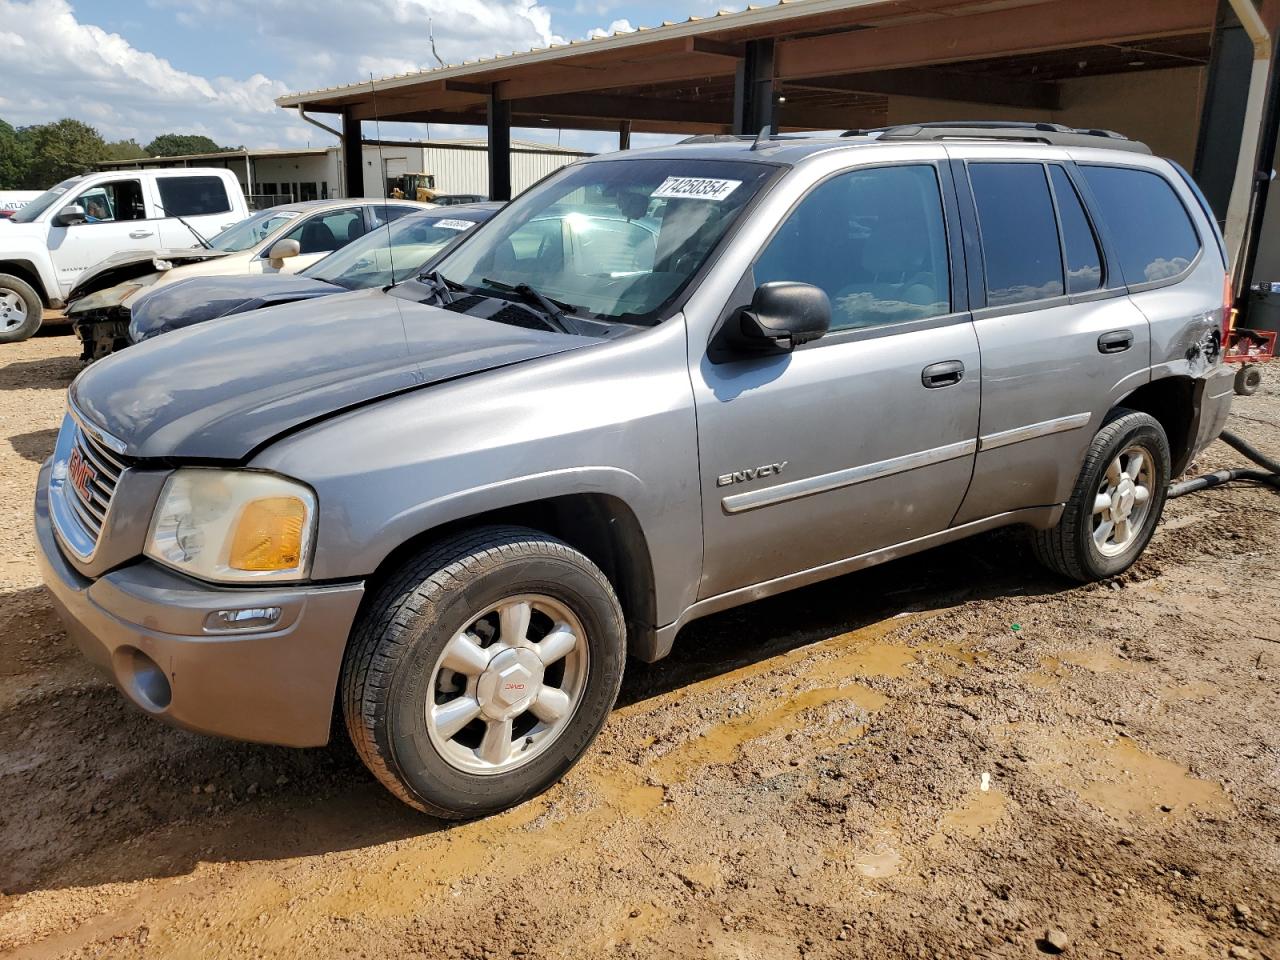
[[1116, 503], [20, 309], [478, 677]]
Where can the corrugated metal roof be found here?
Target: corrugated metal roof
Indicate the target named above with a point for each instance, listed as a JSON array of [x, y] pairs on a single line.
[[691, 27]]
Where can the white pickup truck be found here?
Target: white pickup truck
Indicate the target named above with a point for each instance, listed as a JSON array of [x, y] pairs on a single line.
[[50, 242]]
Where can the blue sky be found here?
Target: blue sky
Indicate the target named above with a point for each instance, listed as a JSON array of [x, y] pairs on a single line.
[[136, 68]]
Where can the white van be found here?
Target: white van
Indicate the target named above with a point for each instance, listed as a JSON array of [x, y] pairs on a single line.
[[69, 228]]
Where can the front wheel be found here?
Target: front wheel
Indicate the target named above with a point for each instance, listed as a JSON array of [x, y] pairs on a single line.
[[481, 674], [1116, 503], [20, 309]]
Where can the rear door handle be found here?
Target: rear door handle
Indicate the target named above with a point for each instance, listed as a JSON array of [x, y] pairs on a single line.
[[139, 234], [945, 374], [1116, 341]]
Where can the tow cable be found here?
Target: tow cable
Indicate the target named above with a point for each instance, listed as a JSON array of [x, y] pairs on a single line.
[[1269, 476]]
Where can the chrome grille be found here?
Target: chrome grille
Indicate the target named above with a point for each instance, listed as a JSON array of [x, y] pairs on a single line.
[[86, 473]]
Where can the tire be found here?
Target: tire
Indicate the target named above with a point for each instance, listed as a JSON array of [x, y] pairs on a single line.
[[1073, 548], [441, 611], [20, 309], [1248, 380]]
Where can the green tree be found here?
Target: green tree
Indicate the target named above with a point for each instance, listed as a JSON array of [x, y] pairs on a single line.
[[180, 144], [14, 158], [125, 150], [60, 150]]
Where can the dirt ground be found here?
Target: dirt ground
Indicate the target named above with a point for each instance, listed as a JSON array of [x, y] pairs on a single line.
[[946, 756]]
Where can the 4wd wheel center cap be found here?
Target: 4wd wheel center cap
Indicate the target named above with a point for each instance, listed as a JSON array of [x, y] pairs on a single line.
[[510, 684]]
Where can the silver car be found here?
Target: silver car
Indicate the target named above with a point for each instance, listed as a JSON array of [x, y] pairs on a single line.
[[656, 385]]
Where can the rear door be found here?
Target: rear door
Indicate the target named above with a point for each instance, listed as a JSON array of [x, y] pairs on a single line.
[[202, 200], [864, 438], [1061, 341]]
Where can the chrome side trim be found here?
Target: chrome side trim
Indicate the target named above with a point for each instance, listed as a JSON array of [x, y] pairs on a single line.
[[1032, 430], [823, 483]]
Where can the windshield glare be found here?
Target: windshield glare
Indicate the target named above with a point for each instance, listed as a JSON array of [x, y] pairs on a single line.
[[388, 255], [247, 233], [43, 202], [615, 238]]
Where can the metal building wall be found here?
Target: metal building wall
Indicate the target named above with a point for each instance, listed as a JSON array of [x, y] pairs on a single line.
[[467, 171]]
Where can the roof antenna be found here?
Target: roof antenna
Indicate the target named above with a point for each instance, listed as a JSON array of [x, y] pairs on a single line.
[[762, 138], [432, 37]]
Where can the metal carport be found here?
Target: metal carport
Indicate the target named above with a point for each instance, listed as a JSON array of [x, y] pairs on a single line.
[[839, 64]]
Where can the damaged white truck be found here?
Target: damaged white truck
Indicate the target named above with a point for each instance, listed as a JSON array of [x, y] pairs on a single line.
[[49, 243]]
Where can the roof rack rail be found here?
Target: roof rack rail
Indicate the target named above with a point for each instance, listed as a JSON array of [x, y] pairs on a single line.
[[718, 138], [1056, 134]]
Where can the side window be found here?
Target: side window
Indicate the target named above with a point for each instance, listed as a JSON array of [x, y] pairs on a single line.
[[192, 196], [875, 240], [328, 231], [1153, 233], [113, 201], [1084, 262], [1019, 232]]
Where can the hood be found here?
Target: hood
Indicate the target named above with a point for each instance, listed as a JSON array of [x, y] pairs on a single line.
[[220, 390], [18, 233], [129, 264], [197, 299]]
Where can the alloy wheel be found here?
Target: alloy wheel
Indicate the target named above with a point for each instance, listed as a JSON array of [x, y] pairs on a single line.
[[505, 686]]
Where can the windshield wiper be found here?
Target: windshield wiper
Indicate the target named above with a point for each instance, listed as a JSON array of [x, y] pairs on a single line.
[[555, 310], [440, 285]]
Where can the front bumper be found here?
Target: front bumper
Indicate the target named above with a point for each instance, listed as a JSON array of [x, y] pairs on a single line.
[[144, 626]]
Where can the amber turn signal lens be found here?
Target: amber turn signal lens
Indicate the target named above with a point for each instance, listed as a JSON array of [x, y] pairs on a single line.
[[269, 535]]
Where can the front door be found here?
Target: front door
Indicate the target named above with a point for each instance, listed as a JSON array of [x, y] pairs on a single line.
[[318, 236], [1061, 340], [865, 438], [116, 221]]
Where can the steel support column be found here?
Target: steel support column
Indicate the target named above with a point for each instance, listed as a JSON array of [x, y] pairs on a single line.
[[624, 135], [352, 155], [753, 88], [499, 116]]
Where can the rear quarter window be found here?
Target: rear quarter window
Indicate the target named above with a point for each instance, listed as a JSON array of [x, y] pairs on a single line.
[[193, 196], [1154, 236]]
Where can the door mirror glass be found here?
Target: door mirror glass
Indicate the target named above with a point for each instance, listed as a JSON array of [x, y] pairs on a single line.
[[282, 250], [70, 215], [783, 315]]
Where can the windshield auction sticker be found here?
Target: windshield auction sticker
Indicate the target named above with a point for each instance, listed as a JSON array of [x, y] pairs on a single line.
[[695, 188], [455, 224]]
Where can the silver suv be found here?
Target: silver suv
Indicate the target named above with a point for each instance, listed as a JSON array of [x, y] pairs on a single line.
[[656, 385]]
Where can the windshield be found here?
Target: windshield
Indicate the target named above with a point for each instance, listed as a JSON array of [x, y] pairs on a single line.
[[43, 202], [388, 255], [247, 233], [618, 239]]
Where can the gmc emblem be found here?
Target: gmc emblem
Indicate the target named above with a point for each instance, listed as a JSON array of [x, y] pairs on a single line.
[[81, 474]]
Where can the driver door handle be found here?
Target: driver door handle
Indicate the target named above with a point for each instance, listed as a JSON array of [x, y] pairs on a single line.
[[945, 374], [139, 234]]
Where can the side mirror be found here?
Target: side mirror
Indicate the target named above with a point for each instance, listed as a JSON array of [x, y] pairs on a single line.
[[282, 250], [783, 315], [70, 215]]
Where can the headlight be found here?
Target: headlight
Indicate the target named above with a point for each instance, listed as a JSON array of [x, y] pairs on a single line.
[[233, 526]]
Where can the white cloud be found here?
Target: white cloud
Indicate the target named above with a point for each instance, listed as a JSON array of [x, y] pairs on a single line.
[[54, 64], [618, 26]]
